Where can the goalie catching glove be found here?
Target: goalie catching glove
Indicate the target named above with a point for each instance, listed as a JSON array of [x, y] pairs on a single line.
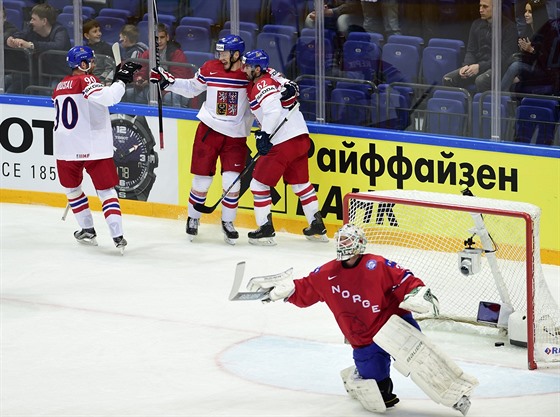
[[277, 287], [421, 300], [161, 76], [125, 72]]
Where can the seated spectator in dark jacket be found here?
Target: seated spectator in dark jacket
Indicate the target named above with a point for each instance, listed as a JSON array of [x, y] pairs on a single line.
[[478, 58], [43, 34], [104, 59], [170, 52], [530, 64]]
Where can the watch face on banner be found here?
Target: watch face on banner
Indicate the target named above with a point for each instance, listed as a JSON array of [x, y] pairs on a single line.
[[134, 156]]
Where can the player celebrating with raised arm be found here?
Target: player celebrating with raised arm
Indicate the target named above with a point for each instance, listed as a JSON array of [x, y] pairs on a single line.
[[83, 139], [283, 154], [225, 123], [372, 298]]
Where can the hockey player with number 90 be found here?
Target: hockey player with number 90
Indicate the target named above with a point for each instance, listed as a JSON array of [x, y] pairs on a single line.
[[372, 299]]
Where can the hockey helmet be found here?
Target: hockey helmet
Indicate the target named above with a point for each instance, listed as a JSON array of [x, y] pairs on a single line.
[[350, 241], [258, 57], [231, 43], [79, 54]]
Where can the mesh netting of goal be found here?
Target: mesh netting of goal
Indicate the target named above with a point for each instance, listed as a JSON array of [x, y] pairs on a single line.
[[426, 232]]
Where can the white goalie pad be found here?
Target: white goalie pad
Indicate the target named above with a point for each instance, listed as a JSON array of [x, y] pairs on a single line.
[[366, 391], [432, 370]]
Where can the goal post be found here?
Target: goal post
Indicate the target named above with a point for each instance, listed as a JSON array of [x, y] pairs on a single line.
[[480, 256]]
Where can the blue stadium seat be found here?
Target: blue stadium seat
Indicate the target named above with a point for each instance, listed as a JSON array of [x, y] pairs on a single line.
[[535, 125], [415, 41], [121, 13], [377, 38], [361, 60], [394, 110], [306, 55], [133, 6], [15, 17], [350, 107], [446, 117], [456, 44], [246, 26], [110, 27], [88, 12], [278, 47], [193, 38], [167, 19], [308, 97], [143, 29], [291, 31], [404, 58], [436, 62], [204, 22], [482, 115], [211, 9], [15, 4], [249, 11], [287, 12]]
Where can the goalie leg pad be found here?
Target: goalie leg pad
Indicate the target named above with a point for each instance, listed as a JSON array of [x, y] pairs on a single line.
[[432, 370], [366, 391]]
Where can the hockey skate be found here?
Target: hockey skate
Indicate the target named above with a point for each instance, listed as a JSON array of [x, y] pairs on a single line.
[[120, 243], [317, 231], [86, 236], [192, 227], [264, 235], [230, 234]]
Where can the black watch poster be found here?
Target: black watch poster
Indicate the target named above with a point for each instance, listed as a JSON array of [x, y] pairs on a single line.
[[134, 156]]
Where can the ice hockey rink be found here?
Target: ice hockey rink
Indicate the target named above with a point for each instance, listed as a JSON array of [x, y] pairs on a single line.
[[88, 332]]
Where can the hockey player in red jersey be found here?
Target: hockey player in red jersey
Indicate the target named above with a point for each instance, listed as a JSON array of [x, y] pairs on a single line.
[[283, 154], [225, 123], [363, 291], [83, 139]]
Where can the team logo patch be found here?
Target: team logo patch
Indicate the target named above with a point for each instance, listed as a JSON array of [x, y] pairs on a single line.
[[371, 264], [227, 103]]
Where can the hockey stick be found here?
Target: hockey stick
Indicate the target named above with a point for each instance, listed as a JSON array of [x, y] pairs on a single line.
[[66, 210], [209, 209], [236, 295], [160, 101], [116, 48]]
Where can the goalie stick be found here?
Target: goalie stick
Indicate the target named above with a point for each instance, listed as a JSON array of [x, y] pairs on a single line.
[[236, 295], [210, 209]]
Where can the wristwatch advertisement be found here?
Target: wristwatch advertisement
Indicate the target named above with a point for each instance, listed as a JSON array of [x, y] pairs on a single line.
[[134, 156]]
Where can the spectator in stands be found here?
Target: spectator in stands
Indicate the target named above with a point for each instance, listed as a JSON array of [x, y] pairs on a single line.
[[128, 37], [531, 64], [104, 59], [339, 15], [381, 16], [43, 34], [170, 52], [9, 30], [477, 63], [551, 9]]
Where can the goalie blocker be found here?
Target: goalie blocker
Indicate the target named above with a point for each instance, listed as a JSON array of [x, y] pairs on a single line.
[[432, 370]]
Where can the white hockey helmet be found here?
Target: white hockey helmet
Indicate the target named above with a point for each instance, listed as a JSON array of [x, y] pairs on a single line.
[[350, 241]]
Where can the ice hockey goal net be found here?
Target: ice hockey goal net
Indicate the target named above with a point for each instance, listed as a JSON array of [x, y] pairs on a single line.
[[432, 234]]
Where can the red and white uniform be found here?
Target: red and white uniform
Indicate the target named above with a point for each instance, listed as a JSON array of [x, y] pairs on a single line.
[[264, 97], [226, 109], [82, 129], [361, 298]]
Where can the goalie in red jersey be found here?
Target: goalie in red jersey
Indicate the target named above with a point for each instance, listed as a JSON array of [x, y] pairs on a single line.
[[372, 299]]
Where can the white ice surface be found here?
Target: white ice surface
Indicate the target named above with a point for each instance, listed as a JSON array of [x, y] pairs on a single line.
[[88, 332]]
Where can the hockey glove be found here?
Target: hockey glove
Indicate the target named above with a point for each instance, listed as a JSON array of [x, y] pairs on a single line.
[[290, 93], [421, 300], [125, 72], [161, 76], [263, 142], [280, 288]]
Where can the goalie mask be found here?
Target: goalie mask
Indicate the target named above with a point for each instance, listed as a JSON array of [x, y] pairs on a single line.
[[350, 241]]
